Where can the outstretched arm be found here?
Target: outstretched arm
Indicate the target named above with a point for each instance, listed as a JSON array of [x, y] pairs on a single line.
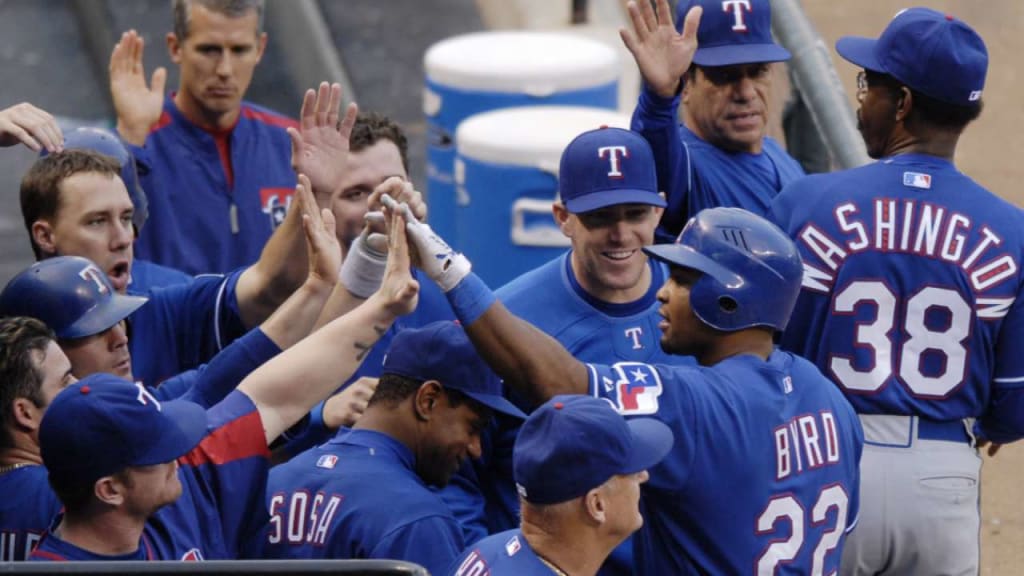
[[531, 362], [319, 149], [137, 105], [662, 54], [285, 388]]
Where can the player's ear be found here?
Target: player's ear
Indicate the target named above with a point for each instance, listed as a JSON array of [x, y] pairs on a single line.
[[561, 216], [426, 399], [42, 236], [26, 414], [174, 47], [109, 490], [904, 102], [261, 46], [595, 505]]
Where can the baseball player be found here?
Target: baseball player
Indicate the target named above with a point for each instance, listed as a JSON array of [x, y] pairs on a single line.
[[720, 155], [143, 273], [909, 300], [216, 166], [32, 372], [142, 479], [365, 493], [184, 325], [764, 468], [598, 299], [579, 466]]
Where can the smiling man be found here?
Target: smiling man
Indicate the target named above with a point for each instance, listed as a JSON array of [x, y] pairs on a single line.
[[598, 299], [720, 155], [434, 399], [216, 167]]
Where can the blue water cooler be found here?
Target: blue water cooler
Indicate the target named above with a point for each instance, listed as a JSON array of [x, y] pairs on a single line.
[[507, 177], [474, 73]]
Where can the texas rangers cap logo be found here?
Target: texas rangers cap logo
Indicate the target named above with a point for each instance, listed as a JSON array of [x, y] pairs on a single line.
[[739, 9]]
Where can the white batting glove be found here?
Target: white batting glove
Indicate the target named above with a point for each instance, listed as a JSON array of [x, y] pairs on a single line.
[[437, 259]]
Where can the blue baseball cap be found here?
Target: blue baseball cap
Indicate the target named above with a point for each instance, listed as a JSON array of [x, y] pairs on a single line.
[[931, 52], [733, 32], [441, 351], [103, 424], [575, 443], [605, 167]]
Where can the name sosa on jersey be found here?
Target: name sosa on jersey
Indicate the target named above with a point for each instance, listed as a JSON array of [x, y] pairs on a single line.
[[909, 226]]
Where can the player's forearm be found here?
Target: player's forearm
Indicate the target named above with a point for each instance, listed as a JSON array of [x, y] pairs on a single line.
[[289, 385], [297, 316], [281, 269], [531, 362], [340, 302]]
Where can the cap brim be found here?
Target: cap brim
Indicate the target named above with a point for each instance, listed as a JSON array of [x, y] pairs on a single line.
[[187, 427], [652, 440], [859, 51], [689, 258], [497, 403], [615, 197], [734, 54], [104, 316]]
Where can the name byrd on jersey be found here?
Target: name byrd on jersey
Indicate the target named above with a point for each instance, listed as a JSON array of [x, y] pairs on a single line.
[[806, 442], [909, 227]]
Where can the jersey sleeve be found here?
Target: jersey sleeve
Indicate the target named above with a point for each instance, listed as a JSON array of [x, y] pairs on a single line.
[[655, 119], [227, 471], [432, 542], [1003, 422]]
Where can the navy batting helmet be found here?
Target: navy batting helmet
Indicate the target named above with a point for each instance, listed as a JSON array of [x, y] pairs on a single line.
[[751, 270], [69, 294], [108, 144]]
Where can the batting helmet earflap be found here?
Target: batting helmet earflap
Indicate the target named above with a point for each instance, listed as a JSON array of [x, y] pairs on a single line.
[[751, 270], [69, 294], [108, 144]]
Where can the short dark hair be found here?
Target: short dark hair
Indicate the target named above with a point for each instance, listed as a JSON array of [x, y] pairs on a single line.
[[23, 343], [182, 12], [371, 127], [41, 185], [392, 389], [926, 110]]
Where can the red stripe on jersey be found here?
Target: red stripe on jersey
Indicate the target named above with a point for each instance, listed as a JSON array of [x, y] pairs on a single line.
[[165, 119], [238, 439], [267, 118], [48, 555]]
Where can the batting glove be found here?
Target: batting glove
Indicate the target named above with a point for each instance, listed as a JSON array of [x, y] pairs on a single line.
[[437, 259], [363, 268]]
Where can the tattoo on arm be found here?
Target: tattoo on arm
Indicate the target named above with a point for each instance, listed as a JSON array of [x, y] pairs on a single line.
[[364, 347]]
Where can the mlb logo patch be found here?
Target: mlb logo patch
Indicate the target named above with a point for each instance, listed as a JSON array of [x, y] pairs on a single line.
[[787, 384], [917, 180], [513, 546], [327, 461], [193, 555]]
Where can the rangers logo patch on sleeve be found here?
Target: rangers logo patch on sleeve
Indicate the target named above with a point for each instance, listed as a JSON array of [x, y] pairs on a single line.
[[632, 388]]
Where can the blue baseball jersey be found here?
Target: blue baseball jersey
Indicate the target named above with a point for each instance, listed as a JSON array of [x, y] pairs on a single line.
[[146, 275], [504, 554], [226, 190], [30, 506], [26, 510], [223, 481], [358, 496], [551, 298], [910, 298], [763, 476], [696, 174], [183, 326]]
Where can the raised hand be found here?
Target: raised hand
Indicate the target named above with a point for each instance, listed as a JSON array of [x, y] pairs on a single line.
[[433, 255], [345, 407], [399, 290], [34, 127], [322, 247], [137, 105], [662, 54], [320, 144]]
